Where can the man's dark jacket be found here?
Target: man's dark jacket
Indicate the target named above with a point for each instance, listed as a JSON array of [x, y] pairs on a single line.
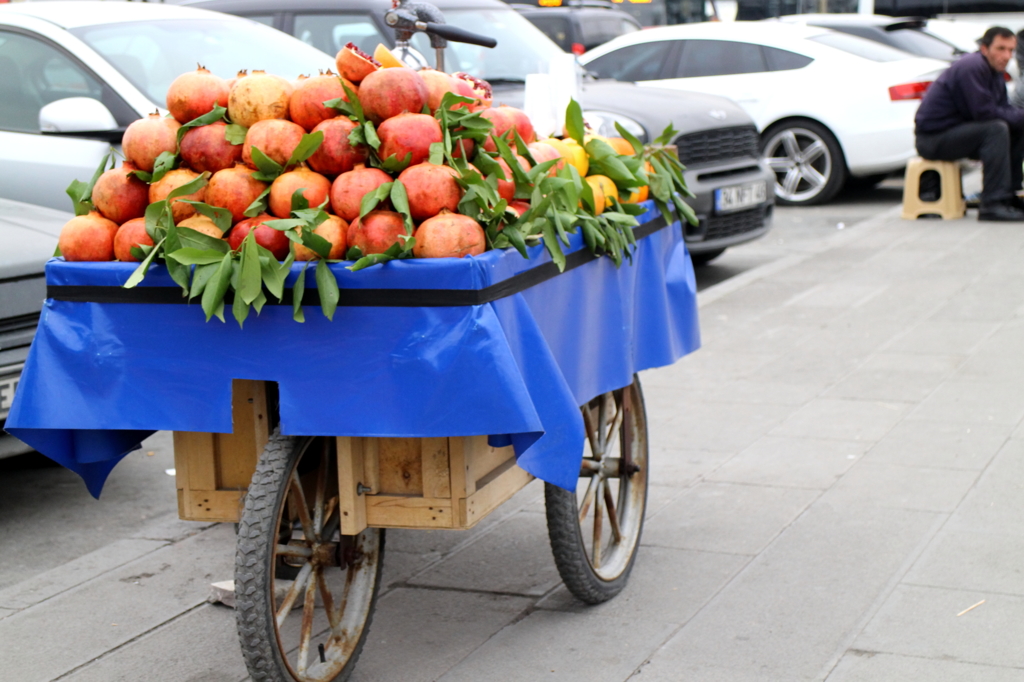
[[969, 90]]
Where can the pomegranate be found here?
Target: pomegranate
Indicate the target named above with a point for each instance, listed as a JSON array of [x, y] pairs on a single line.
[[520, 121], [131, 234], [376, 232], [542, 152], [119, 195], [519, 207], [334, 230], [449, 235], [174, 179], [438, 84], [336, 154], [410, 134], [463, 149], [506, 187], [275, 138], [267, 237], [354, 64], [87, 237], [201, 223], [234, 189], [314, 186], [147, 138], [348, 190], [306, 105], [389, 92], [195, 93], [478, 87], [430, 188], [502, 122], [258, 96], [206, 149]]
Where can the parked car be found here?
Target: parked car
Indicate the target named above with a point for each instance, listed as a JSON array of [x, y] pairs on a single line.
[[29, 236], [909, 34], [582, 26], [120, 57], [716, 140], [829, 106]]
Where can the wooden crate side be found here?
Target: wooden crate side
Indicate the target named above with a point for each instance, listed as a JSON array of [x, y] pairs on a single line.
[[238, 452], [482, 459], [400, 466], [351, 502], [371, 464], [436, 479], [507, 480], [224, 506], [395, 511], [461, 484]]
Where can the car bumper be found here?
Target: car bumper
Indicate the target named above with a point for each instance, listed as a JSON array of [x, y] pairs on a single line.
[[717, 231], [12, 360]]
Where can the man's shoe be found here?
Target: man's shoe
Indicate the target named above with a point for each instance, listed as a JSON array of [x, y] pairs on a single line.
[[1017, 202], [1001, 212]]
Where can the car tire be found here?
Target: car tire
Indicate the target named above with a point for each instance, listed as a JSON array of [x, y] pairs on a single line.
[[706, 257], [807, 161], [865, 181]]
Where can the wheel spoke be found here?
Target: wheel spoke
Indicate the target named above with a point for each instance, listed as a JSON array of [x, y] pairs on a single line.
[[602, 422], [293, 593], [792, 181], [333, 617], [321, 491], [779, 164], [613, 518], [588, 423], [814, 178], [333, 520], [790, 144], [595, 558], [299, 497], [813, 151], [588, 498], [293, 550], [613, 429], [308, 609]]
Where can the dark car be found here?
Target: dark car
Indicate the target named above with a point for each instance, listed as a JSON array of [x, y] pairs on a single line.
[[29, 236], [578, 27], [717, 140], [909, 34]]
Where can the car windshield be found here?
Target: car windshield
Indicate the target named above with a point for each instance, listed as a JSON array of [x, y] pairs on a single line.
[[522, 48], [152, 54], [861, 47], [924, 44]]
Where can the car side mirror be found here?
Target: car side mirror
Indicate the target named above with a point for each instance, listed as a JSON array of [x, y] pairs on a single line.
[[79, 117]]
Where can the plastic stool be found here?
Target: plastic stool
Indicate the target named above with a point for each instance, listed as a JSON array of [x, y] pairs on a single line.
[[950, 204]]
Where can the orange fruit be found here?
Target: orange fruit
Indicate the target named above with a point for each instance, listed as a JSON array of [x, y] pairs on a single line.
[[621, 145], [604, 191], [579, 156], [386, 58]]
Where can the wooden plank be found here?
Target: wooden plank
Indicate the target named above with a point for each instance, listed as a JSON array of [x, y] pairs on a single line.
[[213, 505], [395, 511], [436, 479], [351, 504], [482, 459], [461, 483], [238, 452], [194, 463], [400, 466], [371, 464], [496, 491]]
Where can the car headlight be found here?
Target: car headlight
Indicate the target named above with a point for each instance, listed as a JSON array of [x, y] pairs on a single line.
[[603, 123]]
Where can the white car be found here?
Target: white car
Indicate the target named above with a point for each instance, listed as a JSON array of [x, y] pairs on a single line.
[[829, 106], [82, 71]]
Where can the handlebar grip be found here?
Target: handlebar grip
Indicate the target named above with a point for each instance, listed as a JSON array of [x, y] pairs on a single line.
[[458, 35]]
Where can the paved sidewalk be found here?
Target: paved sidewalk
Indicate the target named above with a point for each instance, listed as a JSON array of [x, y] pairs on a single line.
[[838, 476]]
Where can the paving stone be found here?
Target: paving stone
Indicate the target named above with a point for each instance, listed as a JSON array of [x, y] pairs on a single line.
[[170, 528], [725, 517], [972, 402], [681, 468], [934, 444], [791, 462], [888, 384], [712, 389], [202, 645], [943, 336], [556, 646], [819, 368], [722, 427], [116, 607], [984, 562], [788, 612], [417, 634], [995, 503], [992, 366], [666, 585], [892, 485], [923, 621], [725, 365], [868, 667], [843, 419], [513, 559]]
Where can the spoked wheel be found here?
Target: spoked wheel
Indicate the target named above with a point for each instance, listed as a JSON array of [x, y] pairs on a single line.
[[304, 593], [595, 530], [807, 161]]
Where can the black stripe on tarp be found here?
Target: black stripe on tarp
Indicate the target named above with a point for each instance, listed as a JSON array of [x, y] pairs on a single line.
[[383, 298]]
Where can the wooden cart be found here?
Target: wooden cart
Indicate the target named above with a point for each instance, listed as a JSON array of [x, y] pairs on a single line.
[[312, 513]]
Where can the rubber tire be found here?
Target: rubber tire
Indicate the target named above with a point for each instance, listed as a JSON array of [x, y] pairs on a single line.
[[706, 257], [865, 181], [567, 546], [252, 567], [839, 171]]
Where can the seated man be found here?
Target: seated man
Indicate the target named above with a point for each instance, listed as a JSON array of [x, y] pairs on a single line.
[[965, 113]]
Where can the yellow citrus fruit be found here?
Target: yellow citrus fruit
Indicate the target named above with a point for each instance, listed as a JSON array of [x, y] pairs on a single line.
[[386, 58], [579, 156], [561, 146], [605, 188], [621, 145]]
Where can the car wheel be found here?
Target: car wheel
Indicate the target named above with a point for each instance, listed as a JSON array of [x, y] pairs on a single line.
[[706, 257], [807, 161]]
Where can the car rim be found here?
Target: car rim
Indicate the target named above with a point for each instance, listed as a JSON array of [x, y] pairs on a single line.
[[801, 162]]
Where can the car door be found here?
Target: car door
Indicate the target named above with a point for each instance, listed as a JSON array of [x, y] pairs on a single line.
[[34, 167], [637, 63]]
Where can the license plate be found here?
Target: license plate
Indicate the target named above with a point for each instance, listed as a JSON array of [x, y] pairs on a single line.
[[8, 385], [738, 197]]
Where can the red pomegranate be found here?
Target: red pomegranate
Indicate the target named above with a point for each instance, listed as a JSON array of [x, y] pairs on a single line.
[[306, 106], [258, 96], [502, 122], [275, 138], [376, 232], [348, 190], [438, 84], [119, 195], [314, 186], [541, 152], [147, 138], [131, 234], [174, 179], [463, 149], [449, 235], [520, 121], [87, 237], [195, 93], [519, 207], [234, 189], [336, 154], [206, 149], [410, 134], [389, 92], [477, 87], [354, 64], [267, 237], [201, 223], [334, 230], [506, 187], [430, 188]]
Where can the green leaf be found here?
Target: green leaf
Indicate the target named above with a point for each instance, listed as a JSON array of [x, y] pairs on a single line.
[[298, 290], [354, 253], [327, 286], [218, 113], [316, 243], [165, 162], [487, 165], [81, 193], [371, 199], [56, 252], [240, 309], [258, 205], [551, 244], [140, 272], [299, 201], [213, 293], [235, 133], [306, 148], [638, 146], [574, 121], [370, 135], [191, 256], [394, 165], [436, 153], [190, 238], [284, 224], [201, 276], [221, 217], [269, 170], [142, 175], [400, 200], [250, 278], [190, 187]]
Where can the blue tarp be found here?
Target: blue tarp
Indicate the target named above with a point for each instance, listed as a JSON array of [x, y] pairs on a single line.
[[100, 377]]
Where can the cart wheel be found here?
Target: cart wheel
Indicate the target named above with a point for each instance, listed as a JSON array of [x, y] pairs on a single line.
[[595, 530], [304, 593]]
